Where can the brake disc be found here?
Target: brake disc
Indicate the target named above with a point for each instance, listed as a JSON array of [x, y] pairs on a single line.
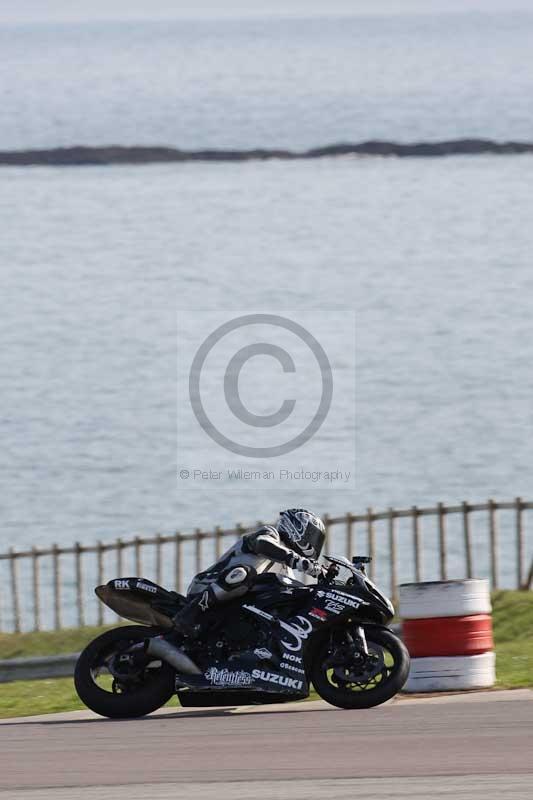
[[367, 669]]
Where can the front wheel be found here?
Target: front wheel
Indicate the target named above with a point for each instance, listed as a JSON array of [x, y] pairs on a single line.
[[345, 677], [115, 678]]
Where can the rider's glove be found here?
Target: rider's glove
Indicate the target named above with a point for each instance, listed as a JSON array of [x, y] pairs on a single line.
[[305, 565]]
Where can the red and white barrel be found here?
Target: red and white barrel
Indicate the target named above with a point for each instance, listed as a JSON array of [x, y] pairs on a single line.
[[447, 628]]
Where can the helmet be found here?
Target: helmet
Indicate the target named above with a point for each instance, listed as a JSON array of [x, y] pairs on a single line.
[[302, 531]]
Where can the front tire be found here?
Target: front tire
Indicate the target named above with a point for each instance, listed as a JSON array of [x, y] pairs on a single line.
[[136, 694], [365, 685]]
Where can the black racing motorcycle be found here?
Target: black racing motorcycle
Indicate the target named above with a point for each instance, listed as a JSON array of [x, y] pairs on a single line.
[[267, 647]]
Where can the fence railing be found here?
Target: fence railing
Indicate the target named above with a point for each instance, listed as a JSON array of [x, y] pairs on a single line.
[[53, 587]]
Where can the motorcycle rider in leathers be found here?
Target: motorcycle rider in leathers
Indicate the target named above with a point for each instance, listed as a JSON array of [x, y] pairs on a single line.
[[294, 543]]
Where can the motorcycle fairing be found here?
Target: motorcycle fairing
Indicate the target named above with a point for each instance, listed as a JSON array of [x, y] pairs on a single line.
[[140, 600], [280, 666]]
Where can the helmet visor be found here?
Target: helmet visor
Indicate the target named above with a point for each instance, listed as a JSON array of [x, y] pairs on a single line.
[[315, 538], [302, 531]]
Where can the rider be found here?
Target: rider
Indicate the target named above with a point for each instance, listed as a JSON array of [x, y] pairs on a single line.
[[294, 543]]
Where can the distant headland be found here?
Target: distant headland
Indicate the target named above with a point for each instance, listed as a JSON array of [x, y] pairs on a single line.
[[115, 154]]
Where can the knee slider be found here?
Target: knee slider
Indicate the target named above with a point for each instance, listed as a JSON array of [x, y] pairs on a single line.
[[236, 577]]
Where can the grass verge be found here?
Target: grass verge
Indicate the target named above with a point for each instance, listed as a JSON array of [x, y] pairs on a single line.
[[513, 635], [26, 698], [48, 643]]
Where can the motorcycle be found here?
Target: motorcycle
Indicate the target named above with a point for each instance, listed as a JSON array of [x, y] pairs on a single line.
[[269, 646]]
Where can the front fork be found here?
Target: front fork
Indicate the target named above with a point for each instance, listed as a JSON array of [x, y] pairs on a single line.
[[354, 647], [358, 637]]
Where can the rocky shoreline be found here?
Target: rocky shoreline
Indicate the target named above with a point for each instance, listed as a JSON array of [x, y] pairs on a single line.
[[95, 156]]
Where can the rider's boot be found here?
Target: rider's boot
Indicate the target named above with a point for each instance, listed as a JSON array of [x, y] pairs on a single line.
[[188, 620]]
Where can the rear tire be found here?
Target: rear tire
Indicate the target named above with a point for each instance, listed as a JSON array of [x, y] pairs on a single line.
[[155, 690], [387, 687]]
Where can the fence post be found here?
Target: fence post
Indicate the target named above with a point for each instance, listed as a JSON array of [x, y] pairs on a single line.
[[529, 580], [442, 542], [218, 542], [519, 543], [349, 536], [198, 550], [57, 586], [35, 586], [493, 531], [240, 529], [79, 585], [120, 560], [178, 570], [468, 542], [138, 558], [158, 557], [392, 552], [14, 591], [100, 577], [371, 543], [416, 544]]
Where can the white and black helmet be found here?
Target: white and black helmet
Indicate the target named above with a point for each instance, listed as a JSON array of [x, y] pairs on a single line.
[[302, 531]]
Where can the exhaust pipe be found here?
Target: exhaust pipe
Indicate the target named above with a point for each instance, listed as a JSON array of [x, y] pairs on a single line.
[[176, 658]]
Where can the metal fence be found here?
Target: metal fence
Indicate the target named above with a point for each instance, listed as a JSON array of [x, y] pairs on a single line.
[[53, 587]]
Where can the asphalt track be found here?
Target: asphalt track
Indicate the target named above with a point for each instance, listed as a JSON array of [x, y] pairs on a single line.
[[462, 746]]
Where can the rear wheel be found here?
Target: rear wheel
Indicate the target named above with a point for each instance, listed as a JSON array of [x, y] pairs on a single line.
[[347, 678], [114, 678]]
